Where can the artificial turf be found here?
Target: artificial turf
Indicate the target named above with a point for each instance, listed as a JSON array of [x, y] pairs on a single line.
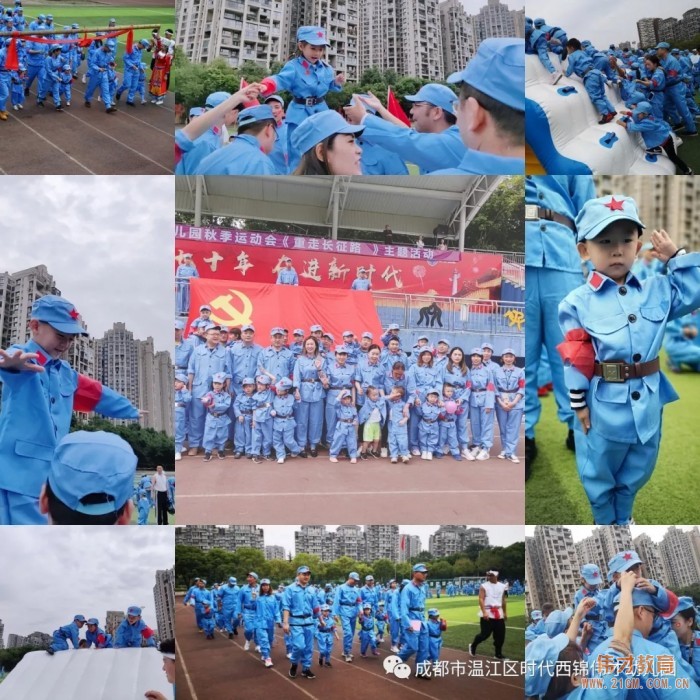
[[554, 495]]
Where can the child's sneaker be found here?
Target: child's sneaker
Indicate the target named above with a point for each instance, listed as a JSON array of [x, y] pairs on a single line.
[[353, 460], [268, 663], [483, 454], [16, 108], [502, 455], [257, 459], [437, 455], [423, 455], [363, 455], [246, 646], [333, 459], [416, 452], [457, 457], [280, 460], [514, 459], [178, 456], [429, 456], [384, 452], [394, 460], [405, 459], [207, 456], [220, 454]]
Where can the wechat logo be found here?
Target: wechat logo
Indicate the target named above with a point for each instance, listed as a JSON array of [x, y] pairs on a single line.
[[394, 664]]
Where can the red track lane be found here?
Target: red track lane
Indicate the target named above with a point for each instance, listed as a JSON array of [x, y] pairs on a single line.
[[220, 668], [136, 141], [317, 491]]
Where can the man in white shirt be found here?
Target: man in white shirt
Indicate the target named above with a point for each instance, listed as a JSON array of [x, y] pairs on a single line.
[[159, 493], [492, 604]]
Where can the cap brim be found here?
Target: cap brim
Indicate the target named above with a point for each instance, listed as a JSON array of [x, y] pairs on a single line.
[[67, 328], [457, 77]]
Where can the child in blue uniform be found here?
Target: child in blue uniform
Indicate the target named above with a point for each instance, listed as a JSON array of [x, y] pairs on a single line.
[[208, 621], [509, 381], [144, 506], [345, 434], [261, 442], [436, 626], [448, 426], [397, 419], [382, 621], [481, 403], [325, 634], [66, 80], [614, 327], [67, 633], [17, 78], [428, 428], [283, 424], [216, 425], [372, 417], [309, 78], [593, 80], [367, 637], [182, 398], [267, 615], [243, 411]]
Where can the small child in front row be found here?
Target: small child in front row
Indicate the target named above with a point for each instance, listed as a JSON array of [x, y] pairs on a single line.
[[64, 88], [448, 426], [613, 327], [345, 434], [283, 423], [182, 398], [144, 506], [325, 632], [243, 406], [262, 421], [372, 417], [428, 428], [397, 420], [382, 621], [656, 134], [218, 420], [367, 637], [208, 621], [436, 626], [17, 87]]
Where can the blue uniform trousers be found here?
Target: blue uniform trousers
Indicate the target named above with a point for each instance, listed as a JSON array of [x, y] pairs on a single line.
[[544, 289], [414, 420], [482, 426], [249, 621], [302, 644], [34, 71], [208, 625], [462, 437], [215, 433], [398, 441], [509, 428], [17, 509], [182, 298], [180, 428], [264, 636], [244, 435], [344, 436], [434, 647], [324, 640], [415, 643], [4, 89], [448, 436], [395, 631], [594, 82], [675, 100], [309, 416], [367, 639], [348, 624], [613, 472], [261, 442], [428, 434], [59, 642], [198, 415], [283, 436], [198, 612], [99, 79]]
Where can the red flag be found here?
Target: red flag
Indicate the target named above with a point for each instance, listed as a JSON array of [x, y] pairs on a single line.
[[394, 106], [403, 542], [11, 60], [130, 41]]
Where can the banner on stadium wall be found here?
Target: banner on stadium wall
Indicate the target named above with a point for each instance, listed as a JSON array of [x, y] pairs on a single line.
[[266, 306], [265, 239], [317, 269]]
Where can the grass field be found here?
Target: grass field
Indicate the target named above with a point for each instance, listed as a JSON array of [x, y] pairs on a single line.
[[690, 150], [91, 16], [554, 494], [463, 624]]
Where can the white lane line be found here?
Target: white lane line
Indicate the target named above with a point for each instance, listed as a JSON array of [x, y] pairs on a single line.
[[184, 668]]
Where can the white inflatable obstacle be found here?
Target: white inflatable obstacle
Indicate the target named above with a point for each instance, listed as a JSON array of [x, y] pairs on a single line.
[[561, 127]]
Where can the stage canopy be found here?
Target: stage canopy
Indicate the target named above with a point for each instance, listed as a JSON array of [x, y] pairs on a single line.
[[410, 205]]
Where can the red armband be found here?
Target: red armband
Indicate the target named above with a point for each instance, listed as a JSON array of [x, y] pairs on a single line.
[[147, 632], [87, 395], [269, 85], [443, 625], [577, 351]]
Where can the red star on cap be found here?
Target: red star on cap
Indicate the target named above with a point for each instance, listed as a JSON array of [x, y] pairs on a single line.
[[595, 574], [319, 34], [627, 556], [614, 204], [74, 314]]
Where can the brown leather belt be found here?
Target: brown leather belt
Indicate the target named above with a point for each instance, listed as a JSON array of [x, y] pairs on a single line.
[[533, 212], [622, 371]]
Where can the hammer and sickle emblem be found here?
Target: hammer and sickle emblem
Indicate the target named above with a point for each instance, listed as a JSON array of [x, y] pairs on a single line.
[[231, 316]]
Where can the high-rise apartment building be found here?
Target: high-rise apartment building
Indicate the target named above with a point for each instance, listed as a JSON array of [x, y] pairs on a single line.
[[164, 596], [457, 36]]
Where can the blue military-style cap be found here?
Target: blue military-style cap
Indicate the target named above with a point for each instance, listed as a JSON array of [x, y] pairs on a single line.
[[508, 351], [622, 561], [639, 597], [320, 126], [210, 326], [219, 377], [487, 345], [443, 340], [536, 615], [591, 574], [92, 621], [325, 607], [541, 657], [663, 45], [75, 25], [180, 377], [497, 70], [248, 327], [179, 324], [598, 213], [557, 621], [330, 337], [265, 580], [284, 384], [275, 98], [133, 610], [405, 581], [585, 43], [685, 602], [316, 327], [93, 462], [248, 380], [642, 107], [277, 330], [79, 618], [380, 603], [433, 390], [367, 334], [316, 36], [369, 577], [328, 585], [252, 115], [41, 17], [347, 333], [354, 576], [298, 331], [393, 327], [145, 43], [216, 98], [345, 394], [341, 349], [433, 612], [477, 351], [367, 606], [49, 17], [420, 568], [205, 307], [539, 21], [435, 94], [371, 110], [224, 329], [254, 575], [59, 313], [422, 337], [232, 579], [262, 379], [303, 570]]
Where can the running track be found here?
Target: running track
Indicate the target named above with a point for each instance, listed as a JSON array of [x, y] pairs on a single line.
[[219, 668]]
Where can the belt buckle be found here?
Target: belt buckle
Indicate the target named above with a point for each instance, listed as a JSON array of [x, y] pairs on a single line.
[[612, 372], [310, 101], [531, 212]]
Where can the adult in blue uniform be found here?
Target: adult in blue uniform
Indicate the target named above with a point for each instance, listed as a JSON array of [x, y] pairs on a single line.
[[40, 392], [67, 633], [346, 608], [338, 376], [229, 595], [244, 357], [299, 609], [433, 142], [36, 54], [280, 153], [684, 624], [309, 78], [552, 270], [205, 361], [674, 92], [97, 636], [133, 631], [247, 606], [420, 378], [619, 405], [52, 78], [276, 361], [455, 372], [361, 283], [655, 84], [482, 398], [132, 64], [369, 593], [99, 77], [247, 153], [510, 392], [491, 110], [413, 622], [287, 274], [308, 390], [199, 594]]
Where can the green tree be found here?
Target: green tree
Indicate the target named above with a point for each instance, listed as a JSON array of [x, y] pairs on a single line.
[[383, 569], [248, 559]]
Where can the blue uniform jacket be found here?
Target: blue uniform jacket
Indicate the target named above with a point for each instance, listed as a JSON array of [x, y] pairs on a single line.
[[267, 611], [242, 156], [283, 407], [510, 382], [579, 63], [306, 378], [285, 276], [204, 363], [483, 390], [361, 285], [244, 362], [347, 601], [280, 363], [218, 410], [629, 327], [654, 131], [263, 405], [483, 163], [99, 639], [131, 635], [412, 604], [70, 632], [243, 405], [248, 600], [368, 406], [301, 604]]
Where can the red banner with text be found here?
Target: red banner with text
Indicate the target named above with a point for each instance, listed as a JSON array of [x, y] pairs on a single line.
[[475, 275], [266, 306]]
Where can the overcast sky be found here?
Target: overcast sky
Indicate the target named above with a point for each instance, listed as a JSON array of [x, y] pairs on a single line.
[[580, 532], [499, 535], [473, 6], [49, 574], [603, 22], [107, 241]]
